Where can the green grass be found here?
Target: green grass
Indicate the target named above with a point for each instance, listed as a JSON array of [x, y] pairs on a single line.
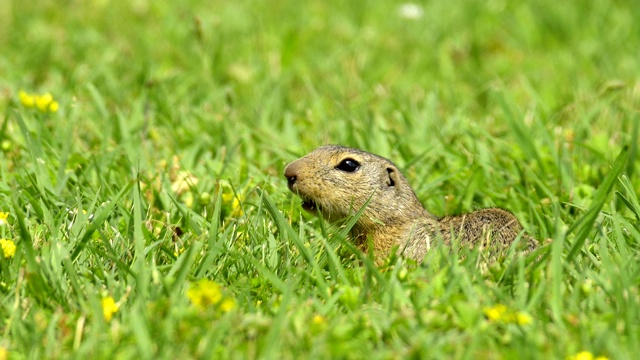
[[532, 107]]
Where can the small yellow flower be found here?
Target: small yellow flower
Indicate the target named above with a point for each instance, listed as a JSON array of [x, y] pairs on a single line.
[[44, 103], [236, 208], [235, 201], [26, 99], [227, 197], [495, 313], [586, 355], [53, 107], [8, 248], [583, 355], [178, 252], [3, 218], [318, 323], [4, 353], [204, 293], [523, 318], [109, 307], [227, 305], [500, 313], [318, 320]]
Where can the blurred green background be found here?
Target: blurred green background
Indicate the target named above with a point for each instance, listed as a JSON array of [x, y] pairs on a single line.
[[162, 166]]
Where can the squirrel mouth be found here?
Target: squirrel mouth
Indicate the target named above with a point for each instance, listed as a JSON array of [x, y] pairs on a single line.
[[309, 205]]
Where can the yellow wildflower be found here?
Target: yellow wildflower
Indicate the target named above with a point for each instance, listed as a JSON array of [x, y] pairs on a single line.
[[4, 353], [109, 307], [586, 355], [523, 318], [3, 217], [8, 248], [235, 202], [318, 320], [318, 323], [495, 313], [582, 355], [236, 208], [205, 293], [26, 99], [44, 103], [53, 106], [227, 305], [500, 313], [178, 252]]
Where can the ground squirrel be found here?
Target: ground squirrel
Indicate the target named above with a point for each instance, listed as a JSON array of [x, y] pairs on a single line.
[[337, 181]]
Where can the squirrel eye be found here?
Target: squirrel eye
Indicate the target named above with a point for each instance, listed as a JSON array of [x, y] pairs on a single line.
[[348, 165]]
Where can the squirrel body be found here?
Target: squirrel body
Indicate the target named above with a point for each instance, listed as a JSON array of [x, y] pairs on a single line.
[[336, 182]]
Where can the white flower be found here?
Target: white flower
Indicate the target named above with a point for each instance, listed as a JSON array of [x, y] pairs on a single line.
[[410, 11]]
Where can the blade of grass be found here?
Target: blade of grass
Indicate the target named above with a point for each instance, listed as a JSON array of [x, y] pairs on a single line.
[[556, 269], [631, 165], [522, 134], [269, 275], [288, 233], [213, 236], [99, 219], [139, 263], [180, 269], [583, 226], [37, 283], [140, 328]]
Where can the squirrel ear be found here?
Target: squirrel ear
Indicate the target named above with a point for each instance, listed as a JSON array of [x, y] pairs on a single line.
[[393, 176]]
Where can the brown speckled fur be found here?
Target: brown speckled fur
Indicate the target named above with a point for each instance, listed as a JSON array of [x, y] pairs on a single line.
[[394, 217]]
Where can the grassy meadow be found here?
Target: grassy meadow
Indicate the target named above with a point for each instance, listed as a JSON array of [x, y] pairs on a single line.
[[144, 215]]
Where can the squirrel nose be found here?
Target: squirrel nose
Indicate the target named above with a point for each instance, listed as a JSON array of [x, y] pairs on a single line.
[[291, 173]]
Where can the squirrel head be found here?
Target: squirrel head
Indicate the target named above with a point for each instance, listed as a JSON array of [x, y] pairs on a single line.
[[337, 181]]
